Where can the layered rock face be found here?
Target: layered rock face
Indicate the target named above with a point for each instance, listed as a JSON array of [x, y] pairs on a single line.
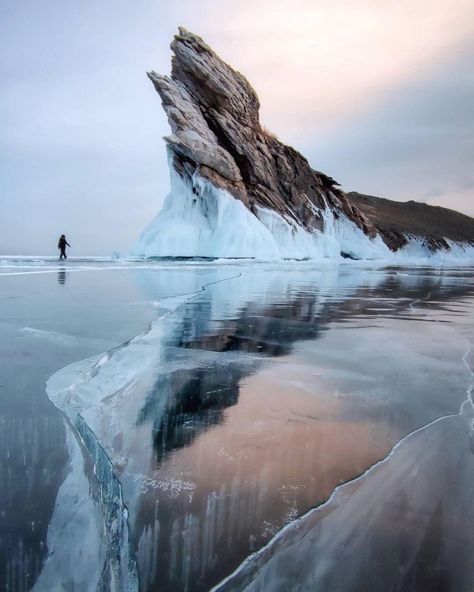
[[214, 117]]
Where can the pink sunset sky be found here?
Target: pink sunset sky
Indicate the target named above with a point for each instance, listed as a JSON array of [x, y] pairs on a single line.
[[377, 94]]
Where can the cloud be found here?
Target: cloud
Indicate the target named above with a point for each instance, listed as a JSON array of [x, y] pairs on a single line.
[[319, 62], [433, 193], [418, 139]]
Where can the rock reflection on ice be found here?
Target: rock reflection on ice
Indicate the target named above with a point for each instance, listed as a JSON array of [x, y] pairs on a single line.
[[250, 399]]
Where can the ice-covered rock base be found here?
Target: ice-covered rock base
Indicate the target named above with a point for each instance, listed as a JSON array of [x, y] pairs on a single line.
[[204, 221], [201, 220]]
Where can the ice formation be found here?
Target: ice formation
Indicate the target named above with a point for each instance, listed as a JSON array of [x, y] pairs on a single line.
[[114, 563], [77, 553], [201, 220]]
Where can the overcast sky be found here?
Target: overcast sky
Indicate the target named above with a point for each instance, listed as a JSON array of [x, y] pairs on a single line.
[[378, 94]]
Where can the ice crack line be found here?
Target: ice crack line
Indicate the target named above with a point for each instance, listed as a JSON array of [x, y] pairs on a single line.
[[418, 300], [124, 577], [468, 405], [202, 289], [319, 508], [190, 295]]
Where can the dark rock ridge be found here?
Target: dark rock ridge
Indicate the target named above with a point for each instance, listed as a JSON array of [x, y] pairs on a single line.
[[396, 220], [216, 132]]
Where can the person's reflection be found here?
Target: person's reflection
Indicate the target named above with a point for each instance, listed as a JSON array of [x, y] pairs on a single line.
[[62, 276]]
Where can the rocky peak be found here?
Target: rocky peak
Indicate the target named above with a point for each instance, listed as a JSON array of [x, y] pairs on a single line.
[[214, 85], [214, 117]]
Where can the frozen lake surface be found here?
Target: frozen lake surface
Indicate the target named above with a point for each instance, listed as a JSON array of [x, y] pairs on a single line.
[[184, 425]]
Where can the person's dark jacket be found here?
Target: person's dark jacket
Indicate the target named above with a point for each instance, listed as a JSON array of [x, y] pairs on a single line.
[[62, 243]]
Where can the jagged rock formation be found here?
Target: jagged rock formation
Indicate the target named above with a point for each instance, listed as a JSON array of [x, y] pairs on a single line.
[[216, 132], [396, 221], [282, 208]]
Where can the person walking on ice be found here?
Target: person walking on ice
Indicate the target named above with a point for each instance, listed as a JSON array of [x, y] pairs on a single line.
[[62, 246]]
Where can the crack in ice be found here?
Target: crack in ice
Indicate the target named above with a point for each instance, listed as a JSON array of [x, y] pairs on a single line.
[[418, 300], [468, 403], [330, 499]]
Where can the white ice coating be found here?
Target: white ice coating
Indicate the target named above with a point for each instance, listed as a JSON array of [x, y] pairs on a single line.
[[200, 220], [76, 547], [211, 224], [90, 519]]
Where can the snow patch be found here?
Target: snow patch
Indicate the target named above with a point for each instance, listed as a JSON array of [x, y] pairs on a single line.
[[417, 251]]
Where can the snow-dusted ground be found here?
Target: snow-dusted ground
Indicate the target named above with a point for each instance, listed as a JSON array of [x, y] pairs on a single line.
[[201, 437]]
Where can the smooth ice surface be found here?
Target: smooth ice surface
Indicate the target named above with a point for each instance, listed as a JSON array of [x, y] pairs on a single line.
[[200, 220], [211, 406]]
